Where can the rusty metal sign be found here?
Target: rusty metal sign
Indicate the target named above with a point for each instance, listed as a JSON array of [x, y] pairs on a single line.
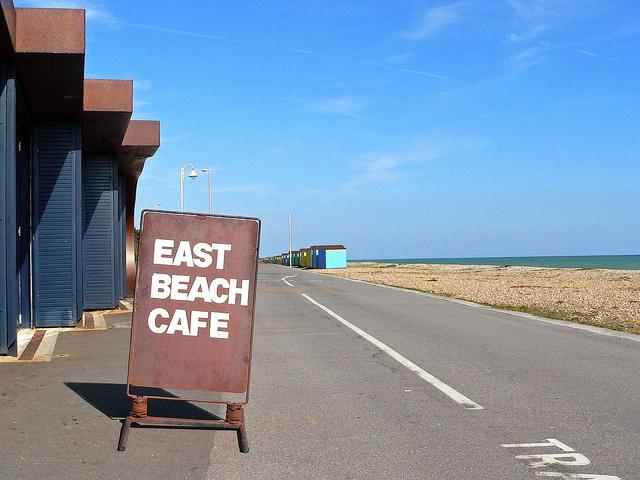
[[192, 324]]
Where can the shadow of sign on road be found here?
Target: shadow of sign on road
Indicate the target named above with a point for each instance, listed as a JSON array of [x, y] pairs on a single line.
[[111, 400]]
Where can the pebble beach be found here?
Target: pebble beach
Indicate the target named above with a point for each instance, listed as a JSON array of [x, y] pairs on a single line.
[[600, 297]]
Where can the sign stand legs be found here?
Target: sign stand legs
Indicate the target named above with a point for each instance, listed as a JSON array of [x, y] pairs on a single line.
[[234, 420], [235, 416], [124, 434]]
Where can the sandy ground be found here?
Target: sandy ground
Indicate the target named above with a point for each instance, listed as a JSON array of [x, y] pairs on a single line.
[[605, 298]]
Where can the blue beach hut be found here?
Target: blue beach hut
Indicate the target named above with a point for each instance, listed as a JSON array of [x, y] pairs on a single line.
[[329, 256]]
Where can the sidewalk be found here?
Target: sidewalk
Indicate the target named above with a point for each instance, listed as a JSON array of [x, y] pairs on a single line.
[[61, 419]]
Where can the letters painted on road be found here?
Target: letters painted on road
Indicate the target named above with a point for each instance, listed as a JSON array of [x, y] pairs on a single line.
[[570, 476], [546, 459], [567, 459]]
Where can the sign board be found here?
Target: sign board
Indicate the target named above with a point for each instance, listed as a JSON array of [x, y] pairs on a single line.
[[195, 294]]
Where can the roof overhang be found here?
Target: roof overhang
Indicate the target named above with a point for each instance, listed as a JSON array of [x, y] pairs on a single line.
[[50, 49], [328, 247], [108, 105], [141, 141]]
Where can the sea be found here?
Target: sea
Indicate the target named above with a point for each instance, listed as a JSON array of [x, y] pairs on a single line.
[[614, 262]]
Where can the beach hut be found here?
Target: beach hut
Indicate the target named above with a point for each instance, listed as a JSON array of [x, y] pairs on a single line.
[[329, 256], [295, 258], [305, 257], [315, 256]]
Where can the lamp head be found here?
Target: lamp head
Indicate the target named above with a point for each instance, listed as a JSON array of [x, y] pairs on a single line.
[[193, 173]]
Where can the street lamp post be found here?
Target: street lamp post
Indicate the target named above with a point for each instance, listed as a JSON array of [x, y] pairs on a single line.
[[208, 170], [193, 174], [158, 206], [290, 227]]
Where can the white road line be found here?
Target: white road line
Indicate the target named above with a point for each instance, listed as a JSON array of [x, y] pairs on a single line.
[[426, 376], [284, 279]]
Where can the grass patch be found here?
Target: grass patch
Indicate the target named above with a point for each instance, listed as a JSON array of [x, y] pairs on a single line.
[[574, 317]]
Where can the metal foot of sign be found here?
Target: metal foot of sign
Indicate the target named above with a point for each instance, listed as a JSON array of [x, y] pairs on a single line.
[[192, 326], [234, 420]]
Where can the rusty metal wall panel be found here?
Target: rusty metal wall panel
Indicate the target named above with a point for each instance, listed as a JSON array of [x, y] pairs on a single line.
[[121, 280], [194, 362]]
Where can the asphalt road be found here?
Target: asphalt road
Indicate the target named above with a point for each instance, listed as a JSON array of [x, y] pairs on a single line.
[[328, 403], [349, 381]]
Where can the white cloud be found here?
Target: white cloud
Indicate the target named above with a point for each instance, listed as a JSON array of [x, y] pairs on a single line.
[[100, 14], [539, 24], [401, 57], [137, 103], [437, 19], [383, 169], [141, 85], [534, 18], [388, 168], [531, 9], [340, 106], [531, 33], [530, 56]]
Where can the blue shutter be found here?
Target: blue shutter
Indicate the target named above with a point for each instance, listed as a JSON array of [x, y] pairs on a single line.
[[9, 294], [57, 249], [99, 242]]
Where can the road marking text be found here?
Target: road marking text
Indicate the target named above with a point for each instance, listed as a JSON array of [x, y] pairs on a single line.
[[568, 458]]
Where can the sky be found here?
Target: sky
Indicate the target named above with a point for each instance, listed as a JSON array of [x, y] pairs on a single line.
[[401, 129]]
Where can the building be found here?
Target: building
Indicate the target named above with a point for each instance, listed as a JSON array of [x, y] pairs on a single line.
[[305, 257], [70, 159], [329, 256]]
